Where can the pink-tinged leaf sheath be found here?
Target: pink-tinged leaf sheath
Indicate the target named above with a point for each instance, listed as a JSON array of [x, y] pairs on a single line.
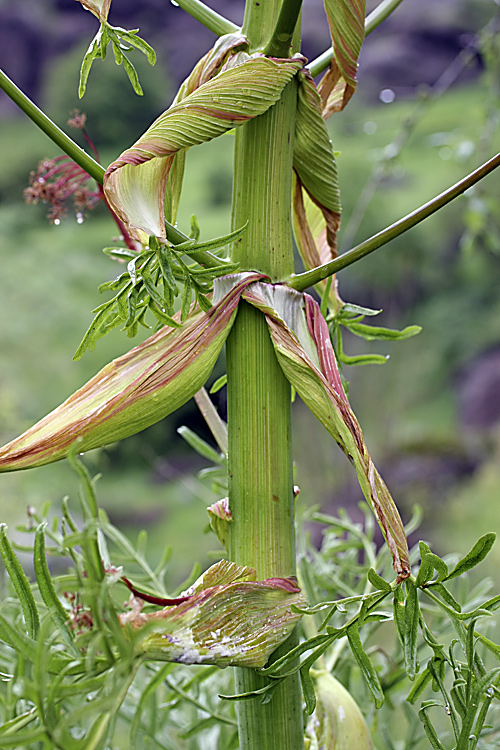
[[316, 195], [135, 183], [229, 619], [134, 391], [302, 344], [346, 19], [100, 8], [220, 516], [208, 67]]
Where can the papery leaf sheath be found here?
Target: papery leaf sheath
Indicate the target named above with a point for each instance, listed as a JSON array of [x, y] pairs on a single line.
[[132, 392], [316, 196], [303, 347], [100, 8], [135, 183], [346, 19], [208, 67], [229, 619]]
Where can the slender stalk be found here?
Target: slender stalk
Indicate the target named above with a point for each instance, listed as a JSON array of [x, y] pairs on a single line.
[[259, 403], [207, 17], [51, 129], [304, 280], [373, 20]]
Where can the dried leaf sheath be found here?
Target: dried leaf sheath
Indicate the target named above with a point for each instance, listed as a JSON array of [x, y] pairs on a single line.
[[135, 183], [228, 619], [302, 344], [132, 392], [346, 19]]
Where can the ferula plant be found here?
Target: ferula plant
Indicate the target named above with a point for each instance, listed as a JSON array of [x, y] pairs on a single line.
[[80, 668]]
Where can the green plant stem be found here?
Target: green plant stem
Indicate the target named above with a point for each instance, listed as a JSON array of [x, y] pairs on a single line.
[[281, 40], [207, 17], [373, 20], [259, 399], [304, 280]]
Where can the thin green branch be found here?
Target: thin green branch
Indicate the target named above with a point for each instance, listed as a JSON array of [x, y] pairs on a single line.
[[375, 18], [49, 127], [208, 17], [304, 280], [281, 40]]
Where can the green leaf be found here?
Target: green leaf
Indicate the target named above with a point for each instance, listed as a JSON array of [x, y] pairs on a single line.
[[219, 383], [377, 581], [46, 587], [132, 75], [199, 445], [214, 244], [308, 690], [431, 559], [87, 61], [136, 41], [426, 569], [349, 310], [419, 686], [17, 640], [372, 333], [412, 612], [21, 584], [363, 359], [399, 612], [473, 557], [367, 668], [431, 733], [23, 739]]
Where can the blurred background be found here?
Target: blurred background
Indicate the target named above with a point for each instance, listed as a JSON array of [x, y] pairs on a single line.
[[426, 113]]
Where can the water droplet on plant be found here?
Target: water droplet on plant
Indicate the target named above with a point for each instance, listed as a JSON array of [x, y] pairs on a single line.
[[79, 219], [447, 709], [174, 3], [41, 180], [57, 222]]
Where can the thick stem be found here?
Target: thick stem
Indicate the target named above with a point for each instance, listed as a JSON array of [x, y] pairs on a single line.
[[259, 404]]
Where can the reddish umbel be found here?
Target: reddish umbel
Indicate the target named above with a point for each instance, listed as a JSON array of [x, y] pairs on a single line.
[[55, 182]]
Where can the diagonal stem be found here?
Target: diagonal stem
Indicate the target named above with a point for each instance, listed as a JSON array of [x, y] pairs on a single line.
[[208, 17], [85, 161], [49, 127], [304, 280], [375, 18]]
